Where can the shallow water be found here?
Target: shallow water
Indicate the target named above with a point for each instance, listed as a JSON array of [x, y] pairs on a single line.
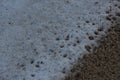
[[43, 39]]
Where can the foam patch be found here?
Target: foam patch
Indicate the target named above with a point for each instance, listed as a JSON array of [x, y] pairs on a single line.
[[43, 39]]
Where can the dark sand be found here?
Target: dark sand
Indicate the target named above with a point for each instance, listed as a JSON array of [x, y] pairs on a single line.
[[103, 63]]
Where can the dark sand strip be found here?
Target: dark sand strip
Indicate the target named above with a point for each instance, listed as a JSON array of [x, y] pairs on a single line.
[[103, 63]]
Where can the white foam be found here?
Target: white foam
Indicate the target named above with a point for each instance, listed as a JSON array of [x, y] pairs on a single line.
[[42, 39]]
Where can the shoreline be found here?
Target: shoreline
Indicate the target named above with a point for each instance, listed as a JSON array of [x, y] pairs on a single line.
[[103, 63]]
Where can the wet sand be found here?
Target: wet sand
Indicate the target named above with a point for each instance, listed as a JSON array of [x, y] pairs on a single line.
[[103, 63]]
